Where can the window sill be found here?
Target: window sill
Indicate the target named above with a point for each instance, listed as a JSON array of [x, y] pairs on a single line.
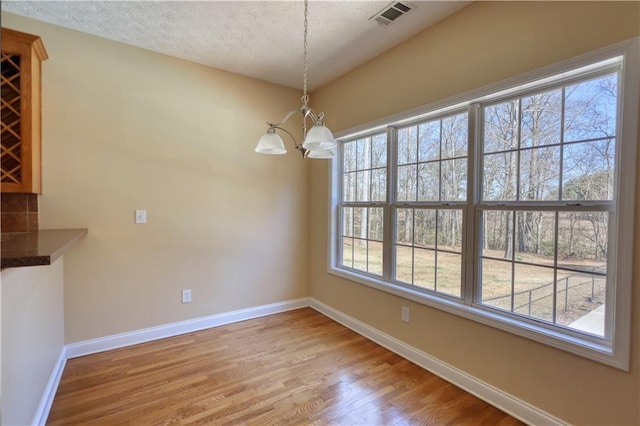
[[574, 343]]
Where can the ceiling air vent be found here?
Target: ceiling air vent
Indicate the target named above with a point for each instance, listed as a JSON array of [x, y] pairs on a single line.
[[391, 12]]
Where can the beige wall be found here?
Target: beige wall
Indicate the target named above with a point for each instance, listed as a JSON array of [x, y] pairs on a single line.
[[126, 129], [32, 337], [482, 44]]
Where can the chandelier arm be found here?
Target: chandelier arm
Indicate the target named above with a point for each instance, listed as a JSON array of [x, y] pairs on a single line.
[[284, 120], [298, 146]]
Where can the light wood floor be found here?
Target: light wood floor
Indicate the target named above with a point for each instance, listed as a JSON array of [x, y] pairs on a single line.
[[298, 367]]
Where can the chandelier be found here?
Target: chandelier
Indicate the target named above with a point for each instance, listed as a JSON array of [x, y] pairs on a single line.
[[318, 142]]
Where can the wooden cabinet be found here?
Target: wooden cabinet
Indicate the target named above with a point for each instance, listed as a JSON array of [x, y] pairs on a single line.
[[21, 136]]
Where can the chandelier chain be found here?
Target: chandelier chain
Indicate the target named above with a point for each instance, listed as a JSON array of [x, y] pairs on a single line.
[[305, 97]]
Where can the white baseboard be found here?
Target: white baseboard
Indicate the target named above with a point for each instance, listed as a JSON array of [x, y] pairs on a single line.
[[42, 412], [492, 395], [102, 344]]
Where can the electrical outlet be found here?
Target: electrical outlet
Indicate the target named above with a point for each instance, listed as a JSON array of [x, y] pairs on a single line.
[[186, 296], [141, 216], [405, 314]]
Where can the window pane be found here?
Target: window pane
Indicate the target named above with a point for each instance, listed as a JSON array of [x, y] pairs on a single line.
[[376, 224], [424, 234], [349, 162], [540, 174], [420, 264], [360, 254], [591, 109], [581, 302], [375, 258], [449, 278], [501, 127], [450, 230], [535, 232], [407, 183], [379, 151], [379, 185], [497, 234], [582, 241], [496, 281], [349, 186], [360, 222], [454, 180], [499, 177], [363, 183], [455, 132], [407, 145], [429, 144], [584, 234], [347, 221], [404, 264], [364, 154], [428, 185], [588, 170], [424, 268], [364, 252], [533, 292], [541, 122], [347, 252], [404, 226]]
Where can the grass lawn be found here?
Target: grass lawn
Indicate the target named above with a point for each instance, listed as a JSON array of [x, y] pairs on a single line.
[[576, 293]]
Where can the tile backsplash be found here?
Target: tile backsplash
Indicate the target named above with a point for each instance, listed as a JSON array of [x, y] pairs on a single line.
[[19, 212]]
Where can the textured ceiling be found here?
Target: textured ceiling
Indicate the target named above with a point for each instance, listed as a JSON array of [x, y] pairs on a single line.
[[259, 39]]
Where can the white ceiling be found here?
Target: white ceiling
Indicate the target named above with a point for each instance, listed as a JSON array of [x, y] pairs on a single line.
[[258, 39]]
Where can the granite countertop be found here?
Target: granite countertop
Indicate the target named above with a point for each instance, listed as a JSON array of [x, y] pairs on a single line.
[[35, 248]]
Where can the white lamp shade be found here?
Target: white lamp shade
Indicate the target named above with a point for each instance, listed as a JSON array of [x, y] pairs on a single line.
[[319, 137], [321, 153], [271, 143]]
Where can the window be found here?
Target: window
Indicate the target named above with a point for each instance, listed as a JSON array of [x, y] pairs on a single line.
[[431, 194], [506, 207], [548, 168], [364, 177]]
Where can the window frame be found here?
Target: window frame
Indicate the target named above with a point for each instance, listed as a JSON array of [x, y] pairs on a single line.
[[614, 348]]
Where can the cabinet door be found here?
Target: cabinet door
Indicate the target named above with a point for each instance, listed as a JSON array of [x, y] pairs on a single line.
[[22, 55]]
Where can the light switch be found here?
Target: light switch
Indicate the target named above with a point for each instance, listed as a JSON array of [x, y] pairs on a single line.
[[141, 216]]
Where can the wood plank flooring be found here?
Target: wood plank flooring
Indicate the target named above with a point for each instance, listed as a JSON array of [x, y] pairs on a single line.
[[297, 367]]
